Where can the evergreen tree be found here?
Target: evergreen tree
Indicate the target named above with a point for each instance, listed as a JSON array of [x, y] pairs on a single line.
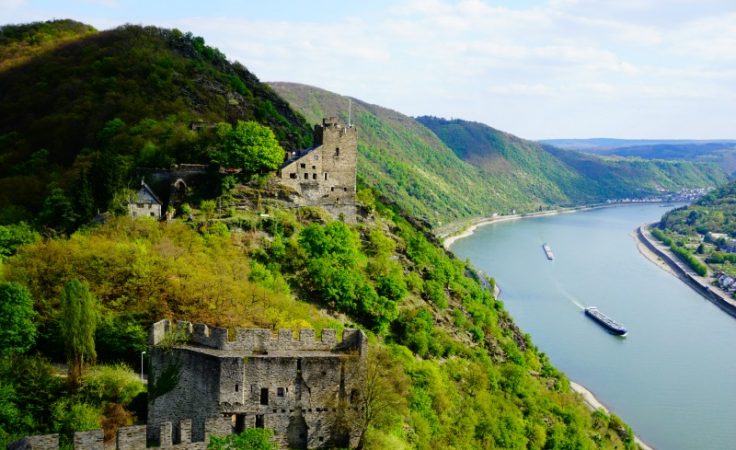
[[79, 316]]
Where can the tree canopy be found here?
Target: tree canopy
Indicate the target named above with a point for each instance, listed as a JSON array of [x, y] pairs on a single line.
[[249, 146], [17, 325]]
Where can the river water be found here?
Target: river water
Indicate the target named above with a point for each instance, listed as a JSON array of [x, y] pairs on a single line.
[[673, 378]]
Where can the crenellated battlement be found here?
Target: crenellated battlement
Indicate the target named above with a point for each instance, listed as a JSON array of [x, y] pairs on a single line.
[[133, 438], [259, 340]]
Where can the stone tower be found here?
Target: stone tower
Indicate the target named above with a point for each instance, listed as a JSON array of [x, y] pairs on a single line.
[[324, 175]]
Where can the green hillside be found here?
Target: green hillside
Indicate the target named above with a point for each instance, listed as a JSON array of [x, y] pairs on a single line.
[[448, 367], [407, 163], [566, 177], [79, 105]]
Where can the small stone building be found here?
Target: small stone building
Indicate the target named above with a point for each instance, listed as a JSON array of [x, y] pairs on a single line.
[[324, 175], [306, 390], [145, 203]]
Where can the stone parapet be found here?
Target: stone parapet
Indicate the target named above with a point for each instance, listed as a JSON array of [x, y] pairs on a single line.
[[131, 438], [259, 340]]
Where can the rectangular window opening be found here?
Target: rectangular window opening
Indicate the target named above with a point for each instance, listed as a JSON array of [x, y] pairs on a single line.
[[280, 392], [264, 396], [314, 176], [259, 421], [292, 175], [325, 176]]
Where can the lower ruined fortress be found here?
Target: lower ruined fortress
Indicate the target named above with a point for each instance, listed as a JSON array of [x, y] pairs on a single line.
[[306, 390]]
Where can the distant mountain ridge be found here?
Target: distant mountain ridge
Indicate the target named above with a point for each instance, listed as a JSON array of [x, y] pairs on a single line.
[[579, 178], [721, 152]]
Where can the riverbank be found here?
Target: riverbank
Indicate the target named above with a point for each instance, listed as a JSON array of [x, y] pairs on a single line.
[[466, 229], [594, 404], [659, 253]]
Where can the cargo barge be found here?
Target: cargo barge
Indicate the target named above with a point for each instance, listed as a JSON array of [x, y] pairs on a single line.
[[548, 252], [606, 322]]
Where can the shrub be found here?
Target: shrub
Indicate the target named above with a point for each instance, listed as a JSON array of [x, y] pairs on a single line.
[[117, 383]]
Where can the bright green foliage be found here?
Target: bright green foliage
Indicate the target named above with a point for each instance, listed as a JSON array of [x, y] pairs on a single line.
[[249, 146], [13, 236], [116, 383], [70, 415], [79, 316], [690, 259], [250, 439], [17, 324]]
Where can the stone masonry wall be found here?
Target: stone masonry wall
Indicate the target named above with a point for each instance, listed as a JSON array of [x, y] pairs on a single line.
[[255, 340], [325, 175], [307, 390], [130, 438]]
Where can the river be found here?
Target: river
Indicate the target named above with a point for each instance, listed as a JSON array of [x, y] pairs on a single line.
[[673, 378]]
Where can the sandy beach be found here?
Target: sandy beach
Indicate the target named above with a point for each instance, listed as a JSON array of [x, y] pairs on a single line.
[[648, 254], [594, 404]]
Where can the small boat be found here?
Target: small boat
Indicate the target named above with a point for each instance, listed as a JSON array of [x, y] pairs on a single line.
[[548, 252], [606, 322]]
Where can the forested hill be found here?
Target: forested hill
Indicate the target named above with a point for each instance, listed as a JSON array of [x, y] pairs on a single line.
[[715, 213], [406, 162], [80, 107], [574, 177]]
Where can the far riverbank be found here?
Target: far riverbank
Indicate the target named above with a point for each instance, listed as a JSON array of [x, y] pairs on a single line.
[[659, 253], [464, 229]]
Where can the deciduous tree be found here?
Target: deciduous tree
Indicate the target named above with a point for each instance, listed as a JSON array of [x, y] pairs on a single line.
[[249, 146], [17, 327]]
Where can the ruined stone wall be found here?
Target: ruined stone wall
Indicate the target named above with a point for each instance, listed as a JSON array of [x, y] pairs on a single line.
[[134, 438]]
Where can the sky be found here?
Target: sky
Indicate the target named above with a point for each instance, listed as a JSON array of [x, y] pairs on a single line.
[[640, 69]]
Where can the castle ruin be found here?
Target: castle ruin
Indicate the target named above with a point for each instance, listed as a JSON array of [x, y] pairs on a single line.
[[325, 174], [306, 390]]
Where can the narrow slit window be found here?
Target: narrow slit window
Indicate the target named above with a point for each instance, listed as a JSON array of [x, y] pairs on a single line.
[[325, 176]]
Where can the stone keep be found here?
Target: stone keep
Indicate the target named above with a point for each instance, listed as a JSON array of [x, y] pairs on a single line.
[[324, 175], [306, 390]]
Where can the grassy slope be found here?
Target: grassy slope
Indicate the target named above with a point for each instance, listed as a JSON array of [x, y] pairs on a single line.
[[62, 83], [573, 177]]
